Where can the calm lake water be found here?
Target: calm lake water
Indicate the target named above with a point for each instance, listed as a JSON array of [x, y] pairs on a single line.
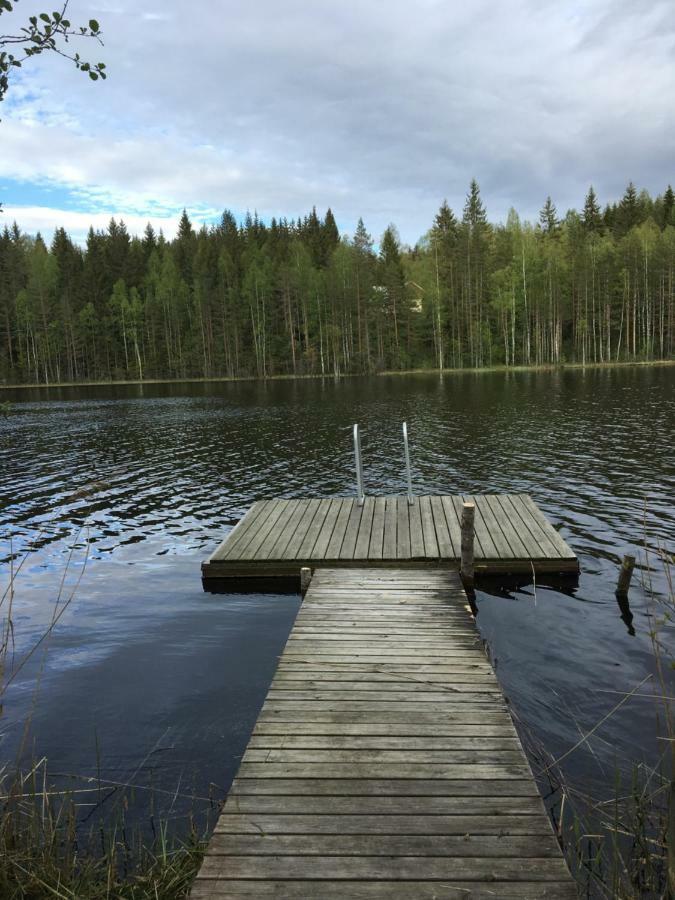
[[120, 492]]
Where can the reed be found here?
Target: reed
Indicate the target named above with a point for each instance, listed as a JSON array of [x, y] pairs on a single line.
[[45, 852], [623, 846]]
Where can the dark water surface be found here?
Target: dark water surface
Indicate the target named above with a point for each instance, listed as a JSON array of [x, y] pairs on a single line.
[[149, 681]]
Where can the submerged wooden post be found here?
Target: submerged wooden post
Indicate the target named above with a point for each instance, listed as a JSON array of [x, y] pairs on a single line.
[[305, 578], [466, 566], [625, 575]]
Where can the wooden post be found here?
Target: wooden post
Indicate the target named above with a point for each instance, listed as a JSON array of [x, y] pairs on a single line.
[[625, 576], [305, 578], [466, 568]]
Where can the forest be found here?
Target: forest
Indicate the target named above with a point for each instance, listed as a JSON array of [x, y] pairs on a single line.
[[296, 298]]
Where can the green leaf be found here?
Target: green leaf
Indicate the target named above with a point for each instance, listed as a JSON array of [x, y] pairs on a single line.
[[33, 20], [93, 24], [45, 17], [93, 76]]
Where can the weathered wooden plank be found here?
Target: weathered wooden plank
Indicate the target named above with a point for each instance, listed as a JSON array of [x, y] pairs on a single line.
[[276, 547], [390, 528], [467, 846], [369, 805], [403, 546], [261, 741], [337, 678], [484, 511], [324, 536], [351, 532], [445, 547], [280, 528], [416, 533], [452, 519], [289, 889], [241, 526], [426, 716], [306, 548], [365, 756], [361, 548], [302, 528], [564, 549], [428, 528], [335, 543], [546, 546], [518, 548], [382, 770], [383, 787], [254, 547], [401, 868], [244, 530], [269, 823]]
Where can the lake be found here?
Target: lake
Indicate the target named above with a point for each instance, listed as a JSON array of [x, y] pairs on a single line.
[[114, 495]]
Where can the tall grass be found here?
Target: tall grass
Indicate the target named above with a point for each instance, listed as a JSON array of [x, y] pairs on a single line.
[[621, 846], [45, 852]]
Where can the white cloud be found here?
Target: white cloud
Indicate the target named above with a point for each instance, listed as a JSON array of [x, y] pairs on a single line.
[[45, 220], [378, 109]]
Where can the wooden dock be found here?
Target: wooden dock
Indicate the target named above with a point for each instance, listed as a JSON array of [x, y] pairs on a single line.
[[276, 538], [384, 762]]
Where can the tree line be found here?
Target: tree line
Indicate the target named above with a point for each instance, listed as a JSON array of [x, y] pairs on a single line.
[[296, 297]]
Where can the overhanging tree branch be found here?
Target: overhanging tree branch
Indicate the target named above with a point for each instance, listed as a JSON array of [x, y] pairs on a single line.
[[46, 32]]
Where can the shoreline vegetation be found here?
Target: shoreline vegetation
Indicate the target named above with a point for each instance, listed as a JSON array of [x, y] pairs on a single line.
[[298, 297], [465, 370]]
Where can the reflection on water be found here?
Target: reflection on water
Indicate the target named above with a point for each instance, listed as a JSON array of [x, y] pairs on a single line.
[[132, 486]]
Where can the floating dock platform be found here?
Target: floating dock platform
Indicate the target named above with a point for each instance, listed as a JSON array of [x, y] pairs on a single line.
[[276, 538], [384, 762]]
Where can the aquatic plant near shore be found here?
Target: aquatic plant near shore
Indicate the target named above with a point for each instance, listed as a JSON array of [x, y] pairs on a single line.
[[45, 853], [622, 846]]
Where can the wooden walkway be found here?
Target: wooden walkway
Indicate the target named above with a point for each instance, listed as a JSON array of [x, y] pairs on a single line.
[[384, 762], [278, 537]]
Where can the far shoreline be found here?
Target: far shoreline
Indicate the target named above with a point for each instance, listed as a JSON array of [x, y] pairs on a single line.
[[218, 379]]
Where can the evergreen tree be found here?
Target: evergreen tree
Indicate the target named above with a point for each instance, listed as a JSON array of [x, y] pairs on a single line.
[[668, 208], [628, 212], [475, 216], [548, 217], [591, 214]]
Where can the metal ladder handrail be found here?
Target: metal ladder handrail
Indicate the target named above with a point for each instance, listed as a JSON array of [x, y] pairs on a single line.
[[406, 450], [359, 465]]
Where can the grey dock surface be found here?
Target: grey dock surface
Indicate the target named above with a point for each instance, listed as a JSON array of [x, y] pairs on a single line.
[[278, 537], [384, 762]]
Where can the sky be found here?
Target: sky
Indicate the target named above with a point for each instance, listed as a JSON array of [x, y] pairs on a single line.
[[379, 109]]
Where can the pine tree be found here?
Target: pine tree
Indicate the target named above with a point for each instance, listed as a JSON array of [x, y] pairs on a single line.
[[185, 247], [331, 235], [362, 240], [667, 208], [591, 214], [393, 283], [628, 211], [475, 216], [548, 217], [149, 241]]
